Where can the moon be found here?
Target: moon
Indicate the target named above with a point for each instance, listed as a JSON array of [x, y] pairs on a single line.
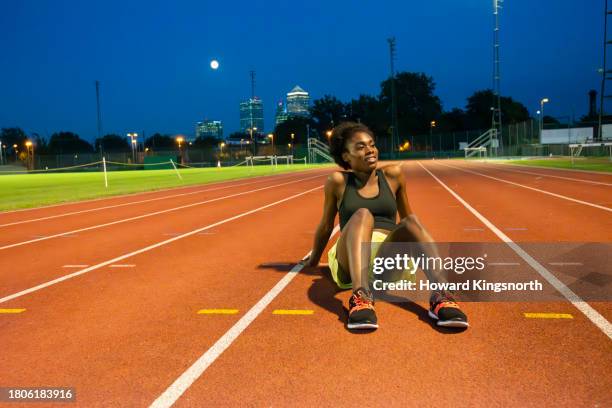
[[214, 64]]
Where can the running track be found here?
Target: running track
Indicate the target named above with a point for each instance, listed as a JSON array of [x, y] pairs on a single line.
[[111, 289]]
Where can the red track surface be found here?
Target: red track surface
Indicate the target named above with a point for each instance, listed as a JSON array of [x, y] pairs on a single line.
[[122, 336]]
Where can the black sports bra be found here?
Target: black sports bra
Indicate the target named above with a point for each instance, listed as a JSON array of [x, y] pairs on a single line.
[[383, 207]]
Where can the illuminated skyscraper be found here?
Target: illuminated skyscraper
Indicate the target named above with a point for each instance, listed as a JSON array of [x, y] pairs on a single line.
[[251, 115], [298, 102], [209, 128], [281, 113]]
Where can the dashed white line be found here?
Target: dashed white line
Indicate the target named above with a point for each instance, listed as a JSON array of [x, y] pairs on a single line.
[[188, 377], [594, 316], [148, 248], [122, 266]]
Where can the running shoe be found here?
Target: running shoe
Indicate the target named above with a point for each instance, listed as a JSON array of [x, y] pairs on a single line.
[[444, 309], [361, 313]]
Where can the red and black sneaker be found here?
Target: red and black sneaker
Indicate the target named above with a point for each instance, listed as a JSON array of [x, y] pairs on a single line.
[[361, 310], [444, 309]]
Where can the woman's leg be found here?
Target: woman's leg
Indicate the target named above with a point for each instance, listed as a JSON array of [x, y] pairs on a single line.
[[443, 307], [410, 230], [353, 257]]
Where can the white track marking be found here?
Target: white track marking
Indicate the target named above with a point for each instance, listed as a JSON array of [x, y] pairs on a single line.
[[122, 266], [129, 203], [594, 316], [601, 207], [566, 263], [161, 190], [600, 173], [495, 165], [151, 214], [188, 377], [148, 248]]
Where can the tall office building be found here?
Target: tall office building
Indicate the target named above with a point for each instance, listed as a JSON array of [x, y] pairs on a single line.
[[298, 102], [281, 113], [251, 115], [209, 128]]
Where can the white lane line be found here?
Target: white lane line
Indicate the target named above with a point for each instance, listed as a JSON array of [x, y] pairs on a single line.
[[601, 207], [148, 248], [598, 320], [550, 175], [75, 266], [130, 203], [599, 173], [161, 190], [122, 266], [189, 376], [503, 264], [566, 263], [152, 213]]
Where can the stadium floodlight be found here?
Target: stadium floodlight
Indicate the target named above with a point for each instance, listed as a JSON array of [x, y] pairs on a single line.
[[542, 102]]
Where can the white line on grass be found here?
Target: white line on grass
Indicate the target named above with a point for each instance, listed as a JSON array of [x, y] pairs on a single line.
[[188, 377], [151, 214], [148, 248], [601, 207], [598, 320], [133, 202]]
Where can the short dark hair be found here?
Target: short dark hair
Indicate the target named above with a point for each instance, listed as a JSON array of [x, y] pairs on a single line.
[[340, 135]]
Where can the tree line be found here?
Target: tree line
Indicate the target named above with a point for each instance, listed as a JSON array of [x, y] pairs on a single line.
[[417, 106]]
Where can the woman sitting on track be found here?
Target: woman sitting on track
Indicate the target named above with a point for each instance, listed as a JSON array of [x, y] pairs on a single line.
[[367, 198]]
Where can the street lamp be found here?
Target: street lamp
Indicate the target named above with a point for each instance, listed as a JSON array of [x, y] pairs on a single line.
[[292, 143], [542, 102], [221, 146], [432, 125], [133, 137], [179, 141], [30, 151], [271, 136], [328, 133]]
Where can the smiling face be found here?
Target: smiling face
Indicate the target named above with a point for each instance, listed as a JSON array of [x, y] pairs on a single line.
[[361, 152]]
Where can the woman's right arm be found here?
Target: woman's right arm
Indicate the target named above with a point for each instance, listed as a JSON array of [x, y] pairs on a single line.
[[326, 226]]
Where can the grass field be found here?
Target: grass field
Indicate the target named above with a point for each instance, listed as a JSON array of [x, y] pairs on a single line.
[[602, 164], [33, 190]]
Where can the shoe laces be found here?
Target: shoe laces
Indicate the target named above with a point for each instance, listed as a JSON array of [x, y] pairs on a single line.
[[361, 299]]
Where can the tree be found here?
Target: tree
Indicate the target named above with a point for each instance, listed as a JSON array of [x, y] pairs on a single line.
[[208, 141], [480, 115], [453, 121], [417, 105], [371, 112], [326, 113], [159, 141], [112, 143], [13, 136], [298, 125], [68, 143]]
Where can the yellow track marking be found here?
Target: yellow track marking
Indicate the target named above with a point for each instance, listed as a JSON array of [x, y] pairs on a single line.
[[548, 315], [292, 312], [218, 311], [12, 310]]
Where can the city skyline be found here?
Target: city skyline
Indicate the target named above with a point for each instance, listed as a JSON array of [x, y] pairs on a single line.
[[150, 80]]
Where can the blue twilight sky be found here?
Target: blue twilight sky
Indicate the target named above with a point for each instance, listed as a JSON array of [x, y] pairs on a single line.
[[152, 57]]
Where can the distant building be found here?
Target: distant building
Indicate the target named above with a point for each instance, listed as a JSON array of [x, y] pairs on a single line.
[[298, 102], [251, 115], [281, 113], [209, 128]]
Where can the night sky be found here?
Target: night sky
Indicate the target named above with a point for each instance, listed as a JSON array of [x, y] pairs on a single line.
[[152, 57]]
